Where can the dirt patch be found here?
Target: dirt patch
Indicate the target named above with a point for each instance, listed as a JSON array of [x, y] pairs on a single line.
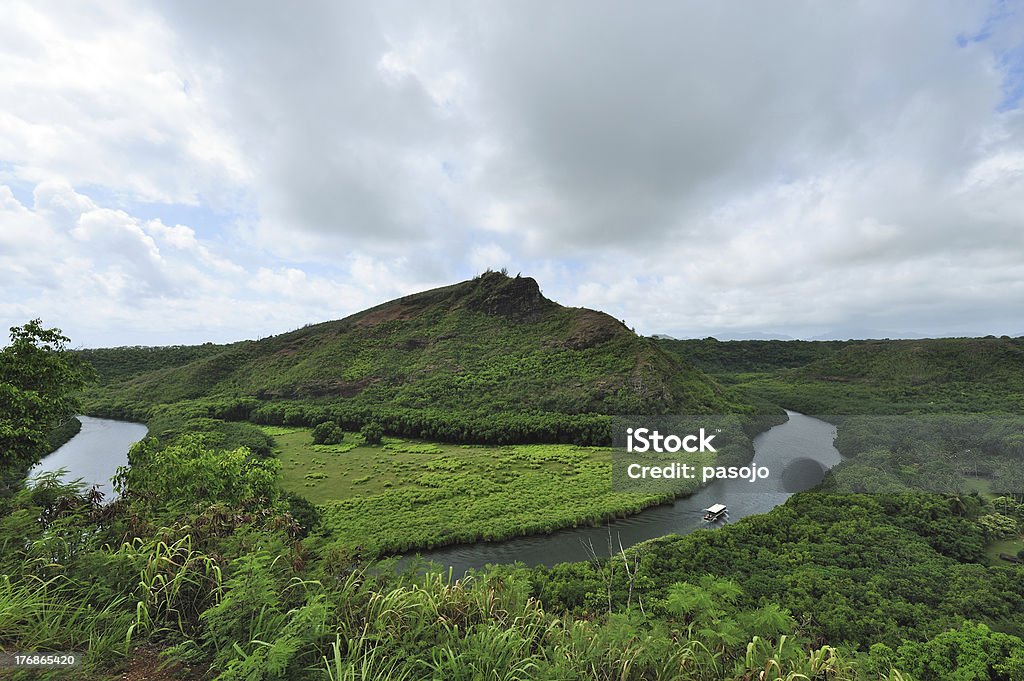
[[592, 328], [388, 313], [147, 665], [333, 388]]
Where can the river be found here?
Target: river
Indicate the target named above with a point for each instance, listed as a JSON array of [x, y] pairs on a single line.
[[798, 452], [801, 449], [95, 453]]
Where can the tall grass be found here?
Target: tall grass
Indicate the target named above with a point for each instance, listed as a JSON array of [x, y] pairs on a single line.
[[176, 584], [489, 628], [58, 615], [264, 623]]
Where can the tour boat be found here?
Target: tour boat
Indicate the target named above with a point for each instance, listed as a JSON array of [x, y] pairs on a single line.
[[715, 512]]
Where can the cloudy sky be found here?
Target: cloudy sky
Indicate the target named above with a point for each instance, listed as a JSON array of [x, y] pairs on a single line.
[[192, 171]]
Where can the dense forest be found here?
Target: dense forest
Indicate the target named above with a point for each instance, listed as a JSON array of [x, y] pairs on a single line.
[[248, 535], [868, 377]]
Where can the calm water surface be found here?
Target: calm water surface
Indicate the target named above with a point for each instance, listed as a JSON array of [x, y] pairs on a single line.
[[95, 454]]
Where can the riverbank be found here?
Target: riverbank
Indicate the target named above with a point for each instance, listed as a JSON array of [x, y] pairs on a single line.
[[784, 448], [63, 433]]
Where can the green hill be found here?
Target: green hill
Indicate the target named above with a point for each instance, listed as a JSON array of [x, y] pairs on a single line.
[[490, 347], [118, 364]]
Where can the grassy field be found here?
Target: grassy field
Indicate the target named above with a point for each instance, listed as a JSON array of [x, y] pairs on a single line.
[[407, 494]]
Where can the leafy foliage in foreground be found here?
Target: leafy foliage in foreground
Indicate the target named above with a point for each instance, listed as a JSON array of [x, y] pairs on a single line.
[[237, 593], [164, 477], [246, 601]]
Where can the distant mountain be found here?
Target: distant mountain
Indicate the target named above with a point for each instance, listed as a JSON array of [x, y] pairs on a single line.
[[864, 334], [920, 363], [489, 345], [901, 376], [728, 336], [752, 335]]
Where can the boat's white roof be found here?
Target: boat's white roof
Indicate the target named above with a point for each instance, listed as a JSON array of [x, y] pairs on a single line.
[[716, 508]]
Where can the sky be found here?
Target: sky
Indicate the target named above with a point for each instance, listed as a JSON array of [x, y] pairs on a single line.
[[194, 171]]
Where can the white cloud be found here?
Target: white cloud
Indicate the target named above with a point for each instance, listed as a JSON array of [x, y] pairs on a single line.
[[691, 168], [489, 256], [103, 96], [110, 278]]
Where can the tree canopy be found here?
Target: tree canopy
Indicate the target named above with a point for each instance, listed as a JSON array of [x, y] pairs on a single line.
[[39, 382]]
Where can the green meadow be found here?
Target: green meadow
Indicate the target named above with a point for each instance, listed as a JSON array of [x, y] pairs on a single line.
[[411, 494], [1005, 546]]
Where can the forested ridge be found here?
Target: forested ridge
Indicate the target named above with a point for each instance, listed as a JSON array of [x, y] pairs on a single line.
[[869, 377]]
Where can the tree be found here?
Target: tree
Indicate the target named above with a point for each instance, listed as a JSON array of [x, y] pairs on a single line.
[[971, 653], [997, 526], [327, 433], [39, 381], [189, 473], [372, 433]]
